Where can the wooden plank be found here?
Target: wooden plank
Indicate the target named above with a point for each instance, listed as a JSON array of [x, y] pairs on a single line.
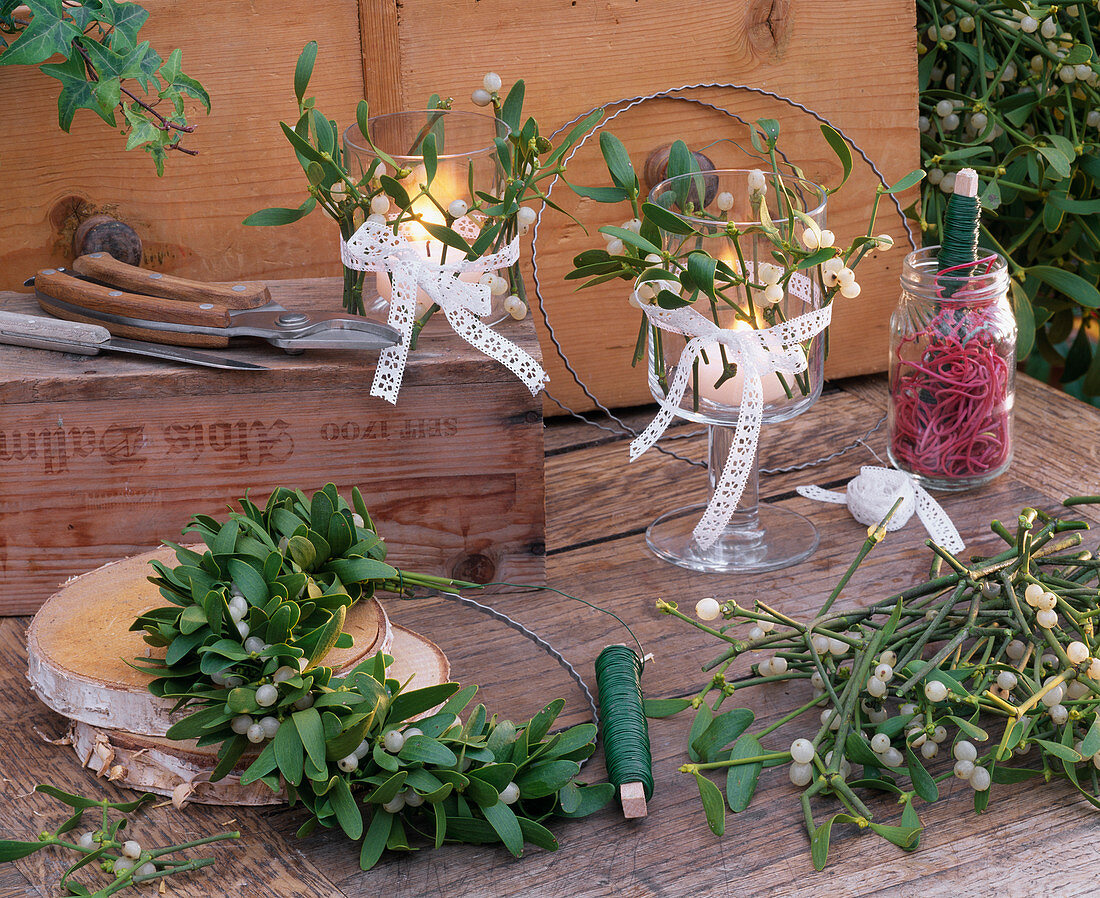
[[14, 885], [577, 54], [189, 220], [115, 455], [381, 50]]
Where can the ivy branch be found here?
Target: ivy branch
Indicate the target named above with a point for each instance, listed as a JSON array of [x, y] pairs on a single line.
[[105, 68]]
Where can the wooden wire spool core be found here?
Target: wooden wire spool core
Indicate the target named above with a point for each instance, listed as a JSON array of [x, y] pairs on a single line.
[[79, 642]]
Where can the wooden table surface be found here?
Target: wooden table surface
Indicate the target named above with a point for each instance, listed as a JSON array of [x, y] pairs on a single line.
[[1035, 839]]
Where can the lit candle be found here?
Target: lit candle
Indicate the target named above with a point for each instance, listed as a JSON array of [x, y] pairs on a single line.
[[427, 248], [728, 393]]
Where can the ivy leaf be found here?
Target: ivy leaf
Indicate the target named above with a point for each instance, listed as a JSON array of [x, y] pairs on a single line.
[[127, 19], [714, 806], [49, 32], [76, 92]]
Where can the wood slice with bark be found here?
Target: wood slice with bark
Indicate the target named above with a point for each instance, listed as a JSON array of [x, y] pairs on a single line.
[[79, 642]]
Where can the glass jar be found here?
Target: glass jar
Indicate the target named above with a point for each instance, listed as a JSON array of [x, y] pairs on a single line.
[[467, 162], [952, 372], [713, 396]]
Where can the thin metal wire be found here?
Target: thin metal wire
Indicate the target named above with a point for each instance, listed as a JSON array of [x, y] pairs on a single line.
[[537, 640], [628, 103]]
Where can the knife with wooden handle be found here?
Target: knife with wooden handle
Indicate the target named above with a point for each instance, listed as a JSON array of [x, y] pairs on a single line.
[[91, 339], [106, 269]]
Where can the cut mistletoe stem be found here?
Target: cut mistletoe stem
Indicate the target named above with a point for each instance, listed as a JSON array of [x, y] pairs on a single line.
[[1007, 640]]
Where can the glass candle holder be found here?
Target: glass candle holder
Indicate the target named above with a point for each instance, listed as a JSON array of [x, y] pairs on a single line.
[[758, 537], [952, 372], [467, 163]]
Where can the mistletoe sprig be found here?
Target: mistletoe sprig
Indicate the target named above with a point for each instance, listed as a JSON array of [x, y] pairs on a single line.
[[1002, 646], [251, 621], [124, 860], [393, 193], [685, 249], [105, 69]]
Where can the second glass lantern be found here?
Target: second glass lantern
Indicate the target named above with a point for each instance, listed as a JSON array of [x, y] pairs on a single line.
[[758, 537]]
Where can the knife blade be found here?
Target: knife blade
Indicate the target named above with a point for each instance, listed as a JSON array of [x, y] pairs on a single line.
[[90, 339]]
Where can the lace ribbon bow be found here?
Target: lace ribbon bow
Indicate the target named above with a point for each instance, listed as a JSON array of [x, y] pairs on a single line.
[[757, 354], [873, 493], [375, 247]]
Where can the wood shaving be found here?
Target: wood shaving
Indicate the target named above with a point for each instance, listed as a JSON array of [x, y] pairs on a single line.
[[66, 739], [181, 793]]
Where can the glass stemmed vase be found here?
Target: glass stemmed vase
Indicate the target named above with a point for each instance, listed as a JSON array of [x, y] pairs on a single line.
[[757, 537]]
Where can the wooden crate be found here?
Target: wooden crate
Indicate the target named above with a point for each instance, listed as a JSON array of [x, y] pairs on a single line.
[[102, 457], [574, 54]]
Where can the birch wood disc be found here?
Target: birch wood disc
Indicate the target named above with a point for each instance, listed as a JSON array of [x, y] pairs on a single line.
[[79, 642], [182, 769]]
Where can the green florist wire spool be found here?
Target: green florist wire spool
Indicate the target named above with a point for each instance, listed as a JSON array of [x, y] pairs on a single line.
[[625, 731], [961, 226]]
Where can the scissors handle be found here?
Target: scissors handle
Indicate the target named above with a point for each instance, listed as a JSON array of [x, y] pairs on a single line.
[[106, 268], [78, 300]]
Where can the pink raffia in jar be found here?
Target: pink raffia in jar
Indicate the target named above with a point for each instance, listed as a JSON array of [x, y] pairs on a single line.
[[952, 372]]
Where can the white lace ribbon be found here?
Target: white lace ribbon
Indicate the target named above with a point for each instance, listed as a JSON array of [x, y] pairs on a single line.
[[375, 247], [873, 493], [757, 354]]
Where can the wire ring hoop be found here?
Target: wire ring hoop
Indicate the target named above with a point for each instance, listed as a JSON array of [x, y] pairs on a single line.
[[627, 103]]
